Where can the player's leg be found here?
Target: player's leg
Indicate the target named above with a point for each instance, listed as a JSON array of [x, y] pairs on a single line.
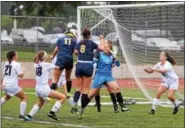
[[68, 71], [35, 109], [87, 98], [97, 100], [155, 102], [171, 97], [23, 103], [60, 100], [5, 98], [56, 75], [113, 85], [76, 97], [113, 98]]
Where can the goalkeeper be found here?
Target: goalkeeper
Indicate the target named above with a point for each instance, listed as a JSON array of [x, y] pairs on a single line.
[[103, 75]]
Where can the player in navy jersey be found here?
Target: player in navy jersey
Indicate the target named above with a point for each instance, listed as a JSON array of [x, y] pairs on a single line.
[[84, 67], [104, 75], [64, 49]]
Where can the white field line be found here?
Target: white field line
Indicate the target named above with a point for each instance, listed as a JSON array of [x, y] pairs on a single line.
[[47, 122]]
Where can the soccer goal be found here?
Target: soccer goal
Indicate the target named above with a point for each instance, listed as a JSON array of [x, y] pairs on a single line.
[[139, 32]]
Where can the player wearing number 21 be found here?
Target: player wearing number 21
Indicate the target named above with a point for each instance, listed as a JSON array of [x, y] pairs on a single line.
[[12, 72], [42, 88]]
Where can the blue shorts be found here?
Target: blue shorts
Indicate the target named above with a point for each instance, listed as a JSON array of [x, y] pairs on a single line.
[[99, 81], [84, 69], [64, 63]]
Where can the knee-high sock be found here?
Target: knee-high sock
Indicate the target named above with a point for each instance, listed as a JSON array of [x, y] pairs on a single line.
[[3, 100], [34, 110], [76, 97], [84, 100], [56, 106], [69, 85], [175, 103], [113, 98], [155, 103], [97, 100], [119, 98], [23, 105]]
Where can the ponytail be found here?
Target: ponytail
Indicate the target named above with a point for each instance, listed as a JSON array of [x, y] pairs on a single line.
[[40, 56], [10, 56], [170, 59]]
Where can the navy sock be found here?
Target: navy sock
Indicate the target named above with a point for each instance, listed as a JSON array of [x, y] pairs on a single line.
[[97, 99], [76, 96], [69, 85], [119, 98], [84, 100], [113, 98]]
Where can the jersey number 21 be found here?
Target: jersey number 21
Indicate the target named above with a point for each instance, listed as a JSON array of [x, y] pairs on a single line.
[[8, 70]]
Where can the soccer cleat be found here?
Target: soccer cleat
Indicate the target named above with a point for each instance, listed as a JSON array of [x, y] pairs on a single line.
[[53, 116], [27, 118], [152, 112], [74, 110], [175, 110], [116, 109], [21, 117], [124, 109], [98, 108]]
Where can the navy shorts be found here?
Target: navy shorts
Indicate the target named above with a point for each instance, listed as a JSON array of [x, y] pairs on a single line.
[[84, 69], [64, 63]]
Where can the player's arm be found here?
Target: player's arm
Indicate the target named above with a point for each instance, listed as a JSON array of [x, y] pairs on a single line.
[[101, 45], [149, 70], [19, 71], [55, 51]]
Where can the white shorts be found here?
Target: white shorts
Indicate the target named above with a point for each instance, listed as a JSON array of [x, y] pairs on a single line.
[[42, 91], [12, 90], [62, 81], [174, 84]]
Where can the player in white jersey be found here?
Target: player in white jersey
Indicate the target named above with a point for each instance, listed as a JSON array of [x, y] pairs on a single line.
[[170, 81], [12, 72], [42, 88]]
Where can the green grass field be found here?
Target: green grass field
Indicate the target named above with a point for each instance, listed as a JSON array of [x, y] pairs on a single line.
[[137, 117]]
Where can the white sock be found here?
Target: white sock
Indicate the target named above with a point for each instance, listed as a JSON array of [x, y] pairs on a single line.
[[23, 105], [56, 106], [70, 101], [155, 103], [34, 110], [3, 100], [175, 103]]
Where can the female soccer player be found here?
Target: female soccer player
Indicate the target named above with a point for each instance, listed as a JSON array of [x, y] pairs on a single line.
[[170, 81], [64, 50], [104, 75], [84, 67], [42, 88], [12, 71]]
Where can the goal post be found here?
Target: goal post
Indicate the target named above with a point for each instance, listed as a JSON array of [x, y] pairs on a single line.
[[140, 32]]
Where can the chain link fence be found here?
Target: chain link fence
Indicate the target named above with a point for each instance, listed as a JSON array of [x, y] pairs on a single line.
[[28, 34]]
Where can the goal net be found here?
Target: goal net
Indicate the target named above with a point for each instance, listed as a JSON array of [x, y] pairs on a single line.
[[139, 32]]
